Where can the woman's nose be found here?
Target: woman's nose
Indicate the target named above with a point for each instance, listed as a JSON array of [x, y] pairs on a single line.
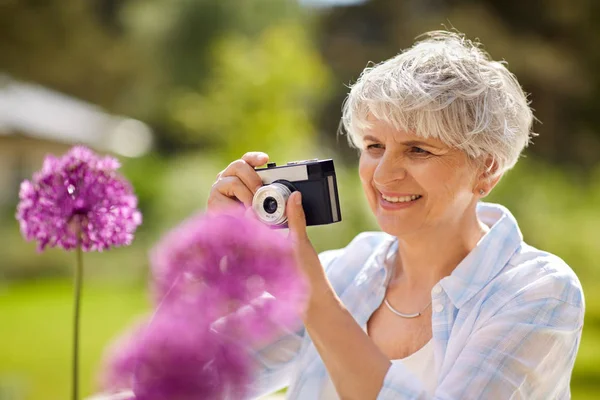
[[388, 170]]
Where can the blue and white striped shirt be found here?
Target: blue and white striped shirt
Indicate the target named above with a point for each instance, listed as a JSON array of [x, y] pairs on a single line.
[[506, 323]]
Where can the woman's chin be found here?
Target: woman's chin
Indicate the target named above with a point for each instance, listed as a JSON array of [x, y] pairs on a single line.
[[396, 225]]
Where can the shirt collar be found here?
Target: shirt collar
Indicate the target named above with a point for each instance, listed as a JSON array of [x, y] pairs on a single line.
[[487, 259], [478, 268]]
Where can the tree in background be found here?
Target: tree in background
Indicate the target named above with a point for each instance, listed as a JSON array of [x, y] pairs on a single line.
[[552, 47], [240, 75], [261, 95], [214, 78], [64, 45]]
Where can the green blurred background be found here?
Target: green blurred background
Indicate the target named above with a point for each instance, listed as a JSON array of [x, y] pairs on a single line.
[[179, 88]]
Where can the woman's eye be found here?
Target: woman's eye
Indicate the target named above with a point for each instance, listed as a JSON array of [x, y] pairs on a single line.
[[419, 150], [375, 146]]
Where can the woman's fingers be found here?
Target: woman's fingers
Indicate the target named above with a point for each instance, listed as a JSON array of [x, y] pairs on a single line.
[[220, 203], [246, 174], [237, 183], [229, 191], [305, 254], [296, 218], [256, 158]]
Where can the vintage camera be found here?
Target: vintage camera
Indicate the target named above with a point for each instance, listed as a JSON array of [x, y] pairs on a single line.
[[315, 179]]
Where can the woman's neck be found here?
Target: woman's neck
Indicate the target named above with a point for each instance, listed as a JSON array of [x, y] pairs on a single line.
[[429, 255]]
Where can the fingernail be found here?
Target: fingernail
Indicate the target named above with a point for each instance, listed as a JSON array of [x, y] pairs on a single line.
[[298, 198]]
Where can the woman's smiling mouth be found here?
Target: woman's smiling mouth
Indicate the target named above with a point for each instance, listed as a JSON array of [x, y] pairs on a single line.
[[395, 202], [401, 199]]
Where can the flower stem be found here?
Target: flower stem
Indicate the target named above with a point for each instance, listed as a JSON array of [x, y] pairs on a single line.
[[77, 294]]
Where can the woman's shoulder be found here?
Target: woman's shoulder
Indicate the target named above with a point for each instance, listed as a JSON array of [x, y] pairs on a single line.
[[534, 275], [527, 273], [545, 274]]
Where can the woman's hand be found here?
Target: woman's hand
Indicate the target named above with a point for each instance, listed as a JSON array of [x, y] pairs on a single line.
[[235, 185], [307, 258], [234, 189], [356, 365]]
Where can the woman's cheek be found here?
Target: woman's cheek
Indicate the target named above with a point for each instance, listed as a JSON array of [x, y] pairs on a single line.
[[365, 171]]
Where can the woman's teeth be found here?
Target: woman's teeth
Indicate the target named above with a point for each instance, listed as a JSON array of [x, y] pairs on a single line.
[[403, 199]]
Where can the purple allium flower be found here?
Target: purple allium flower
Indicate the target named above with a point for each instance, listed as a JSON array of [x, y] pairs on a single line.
[[78, 192], [222, 283], [222, 263], [178, 356]]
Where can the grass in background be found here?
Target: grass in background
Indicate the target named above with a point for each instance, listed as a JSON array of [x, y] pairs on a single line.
[[35, 338], [36, 335], [557, 211]]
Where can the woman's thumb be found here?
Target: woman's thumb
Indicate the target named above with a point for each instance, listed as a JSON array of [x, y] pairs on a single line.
[[296, 217]]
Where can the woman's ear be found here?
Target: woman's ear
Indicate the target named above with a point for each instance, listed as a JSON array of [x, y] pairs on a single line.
[[488, 177]]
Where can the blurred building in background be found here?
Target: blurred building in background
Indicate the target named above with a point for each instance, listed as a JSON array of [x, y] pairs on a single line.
[[35, 121]]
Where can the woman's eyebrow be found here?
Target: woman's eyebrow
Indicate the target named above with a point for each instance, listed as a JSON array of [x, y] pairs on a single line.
[[407, 143], [418, 143], [371, 138]]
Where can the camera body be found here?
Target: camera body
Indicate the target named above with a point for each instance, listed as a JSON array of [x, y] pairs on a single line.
[[315, 179]]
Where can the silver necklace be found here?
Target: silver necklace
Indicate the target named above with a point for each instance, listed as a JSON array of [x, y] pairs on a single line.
[[401, 314]]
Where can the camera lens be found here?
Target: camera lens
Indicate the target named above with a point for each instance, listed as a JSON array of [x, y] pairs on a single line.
[[270, 205]]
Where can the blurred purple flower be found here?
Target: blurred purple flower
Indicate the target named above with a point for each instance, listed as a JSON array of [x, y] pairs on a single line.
[[79, 191], [221, 283], [223, 263], [177, 356]]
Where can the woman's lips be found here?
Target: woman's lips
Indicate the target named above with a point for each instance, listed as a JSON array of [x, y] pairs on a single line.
[[399, 205]]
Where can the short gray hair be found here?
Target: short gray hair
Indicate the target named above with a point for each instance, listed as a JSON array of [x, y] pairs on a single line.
[[445, 87]]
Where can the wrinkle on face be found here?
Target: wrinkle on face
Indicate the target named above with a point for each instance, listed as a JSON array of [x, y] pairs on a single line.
[[444, 178]]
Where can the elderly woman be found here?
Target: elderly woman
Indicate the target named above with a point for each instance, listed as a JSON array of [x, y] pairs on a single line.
[[448, 301]]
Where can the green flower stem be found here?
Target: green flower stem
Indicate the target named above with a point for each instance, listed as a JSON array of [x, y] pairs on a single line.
[[77, 293]]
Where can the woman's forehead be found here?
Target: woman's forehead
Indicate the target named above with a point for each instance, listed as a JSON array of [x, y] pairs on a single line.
[[382, 130]]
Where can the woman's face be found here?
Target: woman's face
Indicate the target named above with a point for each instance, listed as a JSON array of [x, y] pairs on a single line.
[[414, 184]]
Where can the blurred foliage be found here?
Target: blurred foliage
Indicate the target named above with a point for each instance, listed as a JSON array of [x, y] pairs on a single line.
[[261, 95], [62, 44], [551, 46], [217, 78]]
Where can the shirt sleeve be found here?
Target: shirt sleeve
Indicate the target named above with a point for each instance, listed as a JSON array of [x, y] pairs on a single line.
[[276, 360], [525, 351]]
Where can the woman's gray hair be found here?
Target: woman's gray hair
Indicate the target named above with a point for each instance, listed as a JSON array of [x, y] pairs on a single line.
[[445, 87]]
